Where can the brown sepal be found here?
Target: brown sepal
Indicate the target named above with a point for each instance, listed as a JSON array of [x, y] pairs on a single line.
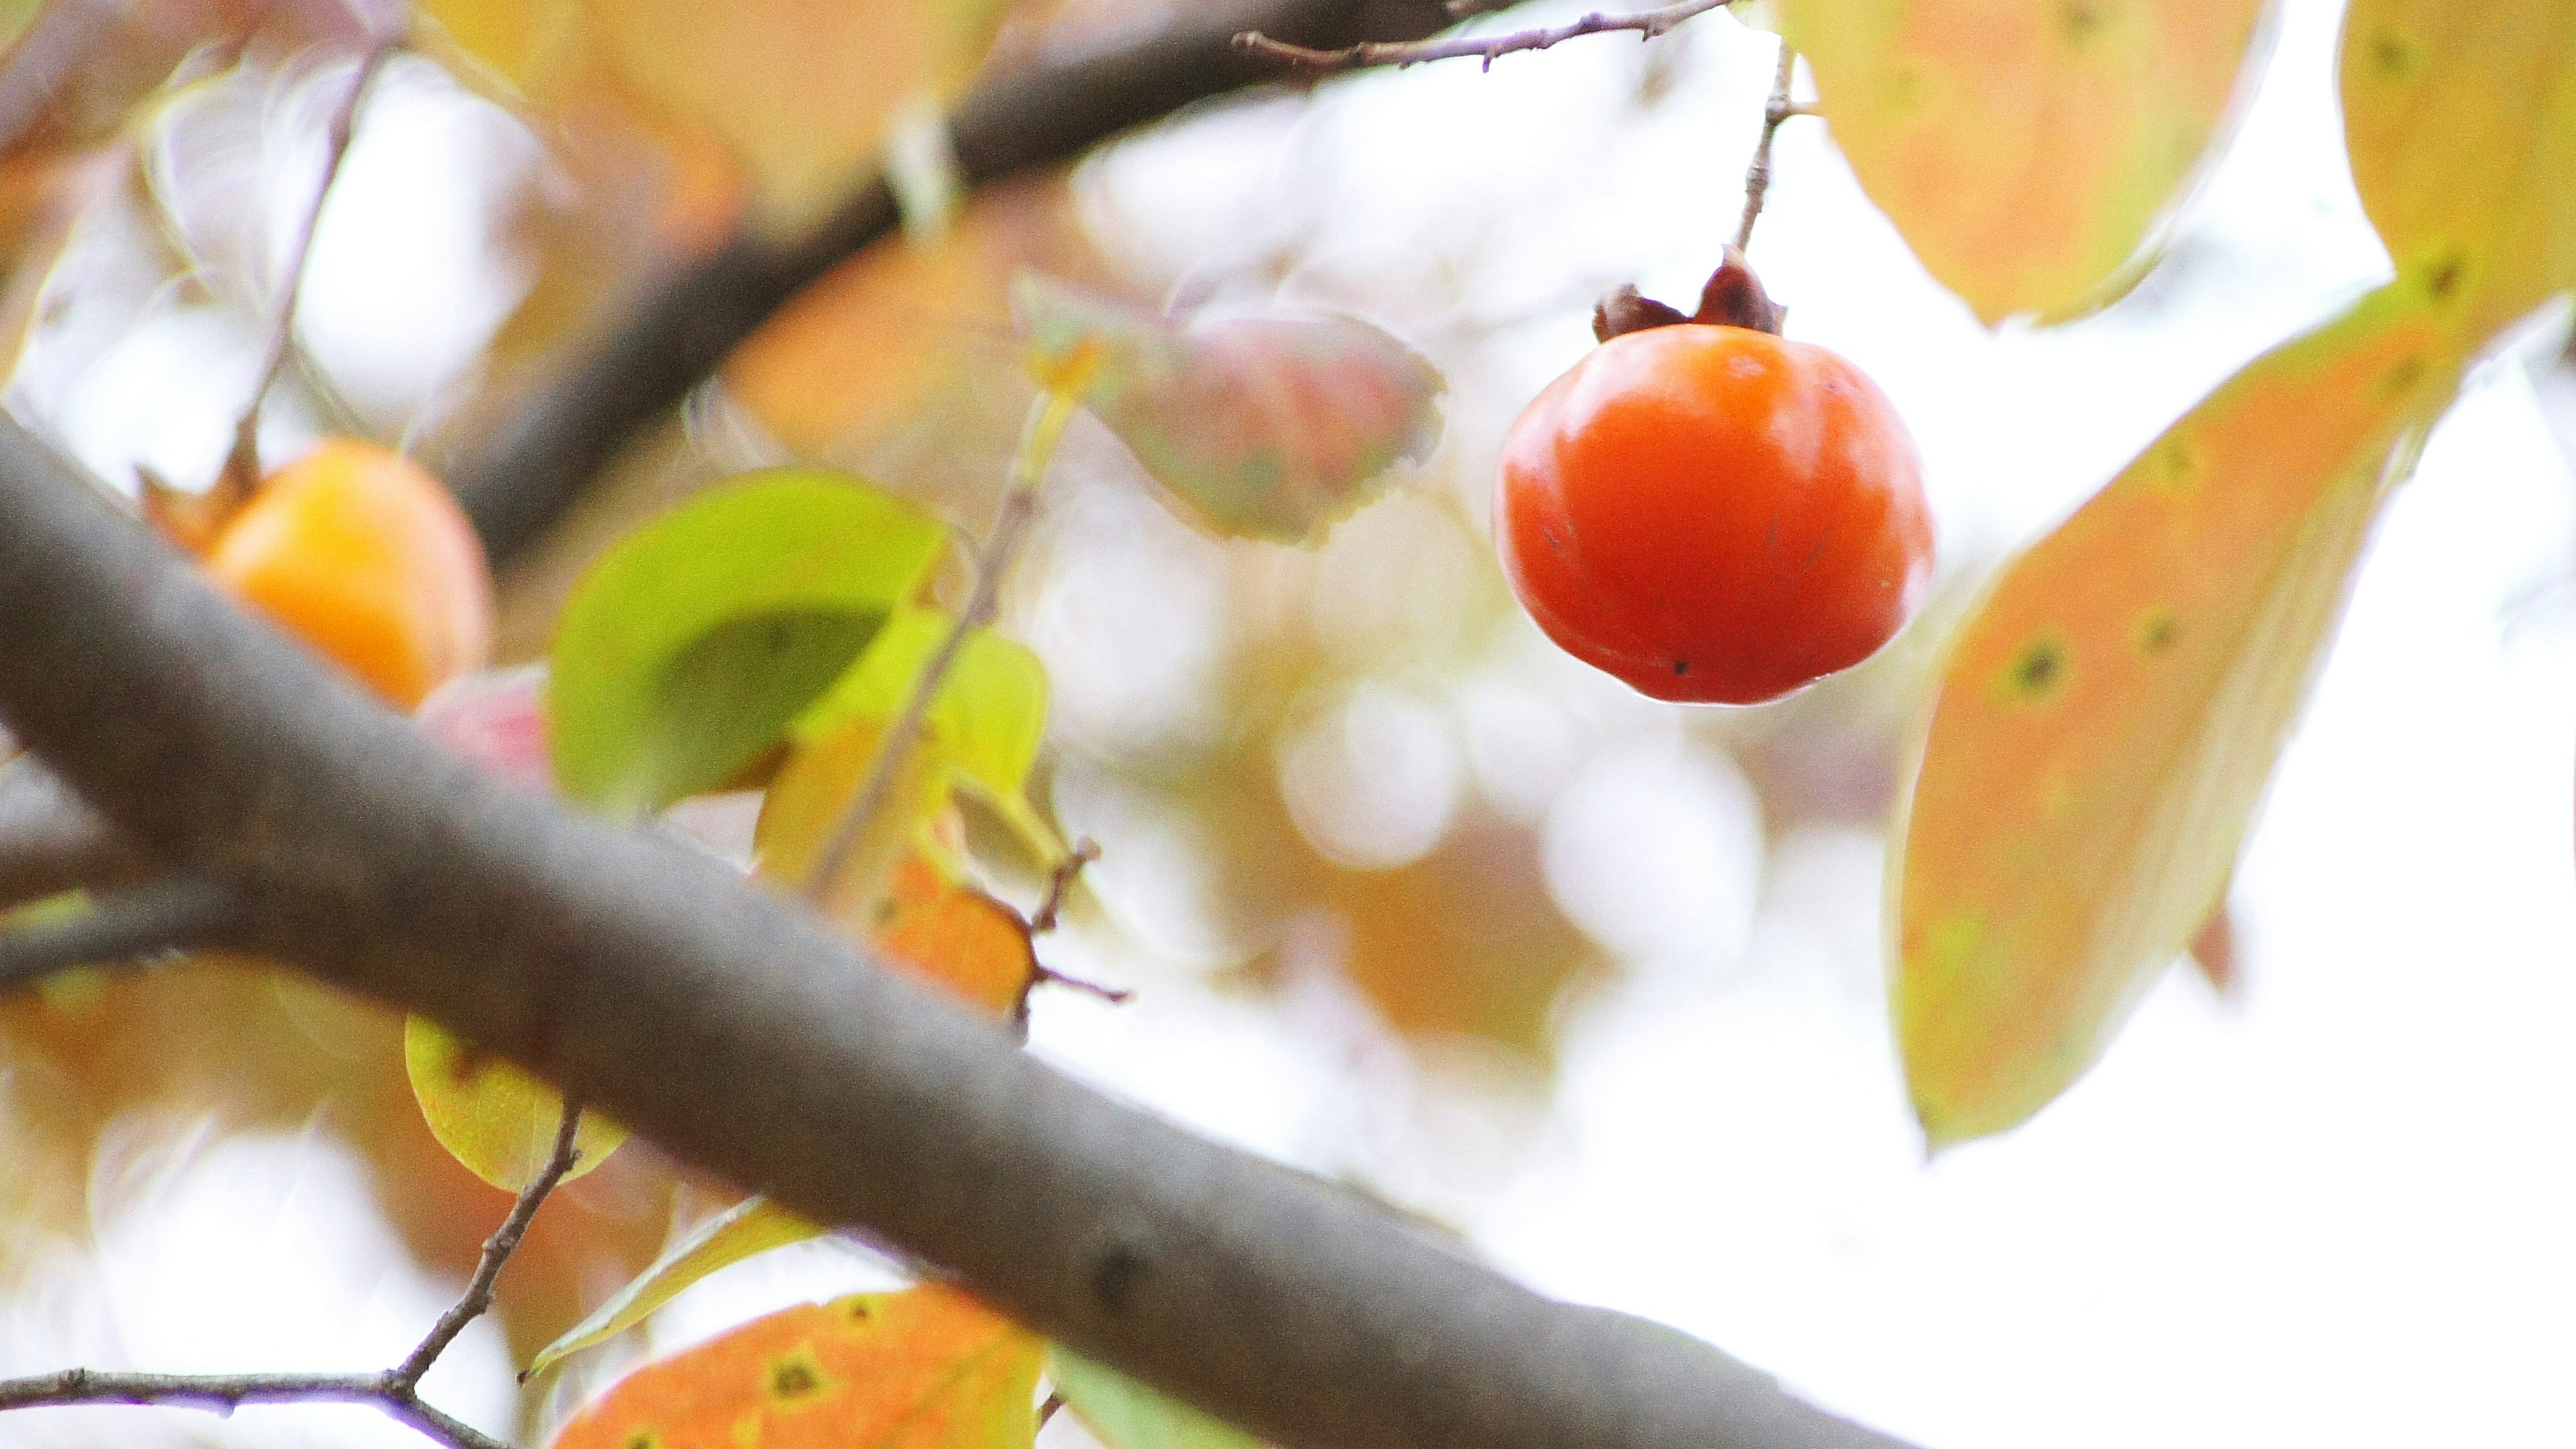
[[1627, 310], [1734, 298]]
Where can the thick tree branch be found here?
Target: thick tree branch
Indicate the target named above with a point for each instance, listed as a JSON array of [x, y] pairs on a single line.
[[516, 483], [744, 1034]]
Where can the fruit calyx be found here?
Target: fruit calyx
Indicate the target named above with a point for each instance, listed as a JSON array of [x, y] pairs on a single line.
[[1732, 298]]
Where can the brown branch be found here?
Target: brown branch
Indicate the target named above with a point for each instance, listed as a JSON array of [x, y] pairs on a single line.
[[477, 1298], [744, 1034], [532, 461], [1648, 24], [133, 923], [1757, 176], [223, 1393], [241, 470]]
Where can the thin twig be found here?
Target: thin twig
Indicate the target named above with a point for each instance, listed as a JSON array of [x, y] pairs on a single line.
[[131, 923], [1060, 883], [496, 1254], [1757, 177], [241, 469], [1648, 24], [223, 1393], [1047, 417]]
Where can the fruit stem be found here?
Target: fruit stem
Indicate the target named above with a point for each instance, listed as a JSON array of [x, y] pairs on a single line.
[[1757, 176]]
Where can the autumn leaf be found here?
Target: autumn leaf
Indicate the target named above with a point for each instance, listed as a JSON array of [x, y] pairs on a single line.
[[956, 937], [2460, 116], [1274, 426], [496, 1119], [2026, 150], [2107, 721], [748, 1228], [926, 1368]]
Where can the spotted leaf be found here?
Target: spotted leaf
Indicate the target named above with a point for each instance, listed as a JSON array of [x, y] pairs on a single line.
[[2460, 116], [2107, 720], [926, 1368], [1272, 426], [2026, 148]]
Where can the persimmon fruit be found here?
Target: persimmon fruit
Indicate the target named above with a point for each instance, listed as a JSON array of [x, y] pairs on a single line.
[[1711, 512], [362, 554]]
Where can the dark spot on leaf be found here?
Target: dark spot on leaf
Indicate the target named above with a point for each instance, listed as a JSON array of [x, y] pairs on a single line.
[[2403, 377], [861, 1310], [2391, 52], [794, 1379], [2443, 277], [2080, 19], [642, 1439], [1553, 541], [1115, 1277], [1681, 666], [2038, 672], [2158, 632]]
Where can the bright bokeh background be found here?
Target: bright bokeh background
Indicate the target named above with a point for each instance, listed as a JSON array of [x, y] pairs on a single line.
[[2328, 1207]]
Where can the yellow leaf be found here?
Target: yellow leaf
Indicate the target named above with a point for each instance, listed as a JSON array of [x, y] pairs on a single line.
[[521, 41], [2461, 119], [497, 1120], [816, 787], [2107, 721], [753, 1226], [2026, 148], [927, 1368]]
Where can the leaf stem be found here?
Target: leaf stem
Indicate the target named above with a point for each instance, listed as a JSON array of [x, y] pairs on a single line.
[[1648, 24], [497, 1249], [1048, 416]]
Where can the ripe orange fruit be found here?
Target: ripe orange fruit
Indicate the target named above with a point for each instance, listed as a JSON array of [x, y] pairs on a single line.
[[363, 555], [1713, 513]]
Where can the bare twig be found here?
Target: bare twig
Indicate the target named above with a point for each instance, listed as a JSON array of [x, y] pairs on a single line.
[[395, 1390], [241, 469], [1757, 177], [223, 1393], [1060, 884], [132, 923], [477, 1298], [1648, 24], [1019, 508]]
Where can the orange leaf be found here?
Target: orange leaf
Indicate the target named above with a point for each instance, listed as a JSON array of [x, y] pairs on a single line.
[[926, 1368], [2107, 721], [956, 936]]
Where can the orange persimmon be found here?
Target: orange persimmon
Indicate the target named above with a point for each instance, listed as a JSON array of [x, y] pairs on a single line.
[[363, 555]]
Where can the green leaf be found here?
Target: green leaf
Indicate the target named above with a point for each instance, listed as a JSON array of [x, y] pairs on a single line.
[[748, 1228], [1272, 426], [2026, 148], [2107, 721], [2460, 116], [1124, 1414], [497, 1120], [686, 651]]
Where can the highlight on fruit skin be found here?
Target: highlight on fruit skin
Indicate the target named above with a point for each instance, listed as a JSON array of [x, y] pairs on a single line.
[[1713, 513], [364, 555]]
